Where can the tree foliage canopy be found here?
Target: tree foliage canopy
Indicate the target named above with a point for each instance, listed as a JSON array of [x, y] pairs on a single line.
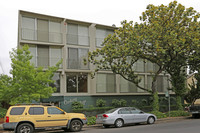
[[27, 82], [167, 36]]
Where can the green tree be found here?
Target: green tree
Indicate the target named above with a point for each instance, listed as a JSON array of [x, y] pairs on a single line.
[[27, 82], [169, 34], [5, 91], [165, 36]]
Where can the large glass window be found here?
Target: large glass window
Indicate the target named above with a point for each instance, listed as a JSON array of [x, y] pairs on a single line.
[[55, 32], [43, 55], [77, 34], [162, 83], [151, 67], [101, 34], [41, 30], [33, 52], [55, 55], [106, 83], [139, 66], [56, 84], [28, 28], [76, 58], [77, 82], [129, 87]]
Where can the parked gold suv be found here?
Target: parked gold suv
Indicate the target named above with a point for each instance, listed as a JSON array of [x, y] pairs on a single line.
[[27, 118]]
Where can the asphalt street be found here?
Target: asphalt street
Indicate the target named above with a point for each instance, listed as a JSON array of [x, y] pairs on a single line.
[[179, 126]]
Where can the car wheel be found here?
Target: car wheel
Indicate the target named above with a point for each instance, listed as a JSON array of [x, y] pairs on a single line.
[[75, 125], [151, 120], [119, 123], [106, 126], [25, 128]]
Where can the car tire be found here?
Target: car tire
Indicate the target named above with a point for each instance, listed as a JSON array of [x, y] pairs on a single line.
[[106, 126], [150, 120], [119, 123], [25, 128], [75, 126]]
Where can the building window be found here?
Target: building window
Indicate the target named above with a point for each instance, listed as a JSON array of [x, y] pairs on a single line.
[[45, 55], [56, 84], [162, 83], [151, 67], [76, 57], [77, 34], [101, 34], [55, 55], [28, 28], [106, 83], [139, 66], [42, 55], [77, 82], [129, 87], [41, 30]]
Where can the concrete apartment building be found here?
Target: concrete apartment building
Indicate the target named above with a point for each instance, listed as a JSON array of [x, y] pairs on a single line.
[[53, 38]]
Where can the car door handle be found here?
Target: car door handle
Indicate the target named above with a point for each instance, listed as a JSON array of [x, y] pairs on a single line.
[[49, 116]]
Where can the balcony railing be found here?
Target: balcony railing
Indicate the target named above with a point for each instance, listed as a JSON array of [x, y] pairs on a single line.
[[42, 36], [77, 40], [77, 64]]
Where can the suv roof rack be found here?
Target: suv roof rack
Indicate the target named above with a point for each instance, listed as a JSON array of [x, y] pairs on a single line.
[[45, 104]]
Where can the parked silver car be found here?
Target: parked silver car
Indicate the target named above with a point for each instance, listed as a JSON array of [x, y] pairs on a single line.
[[125, 115]]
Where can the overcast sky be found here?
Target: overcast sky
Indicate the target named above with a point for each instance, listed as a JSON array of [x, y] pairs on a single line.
[[105, 12]]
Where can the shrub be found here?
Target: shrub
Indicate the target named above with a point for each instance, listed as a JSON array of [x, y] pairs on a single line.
[[77, 105], [91, 120], [178, 113], [119, 103], [159, 114], [122, 102], [144, 102], [134, 102], [115, 103], [100, 103]]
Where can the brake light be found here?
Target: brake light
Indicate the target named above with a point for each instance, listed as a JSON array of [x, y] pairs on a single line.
[[96, 116], [105, 115], [7, 119]]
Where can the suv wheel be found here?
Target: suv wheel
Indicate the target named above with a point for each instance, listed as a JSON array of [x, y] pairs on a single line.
[[75, 125], [25, 128]]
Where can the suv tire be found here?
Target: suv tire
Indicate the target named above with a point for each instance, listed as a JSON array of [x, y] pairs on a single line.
[[25, 128], [76, 125]]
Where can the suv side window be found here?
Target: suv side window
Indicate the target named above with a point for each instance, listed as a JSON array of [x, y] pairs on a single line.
[[36, 111], [17, 111], [51, 110]]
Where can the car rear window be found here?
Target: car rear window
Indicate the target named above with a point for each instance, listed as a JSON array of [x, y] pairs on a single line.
[[17, 110], [36, 111], [111, 111]]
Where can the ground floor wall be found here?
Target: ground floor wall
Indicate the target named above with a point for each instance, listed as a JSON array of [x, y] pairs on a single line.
[[65, 102]]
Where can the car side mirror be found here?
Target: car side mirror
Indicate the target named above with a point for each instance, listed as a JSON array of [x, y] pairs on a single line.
[[141, 112]]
